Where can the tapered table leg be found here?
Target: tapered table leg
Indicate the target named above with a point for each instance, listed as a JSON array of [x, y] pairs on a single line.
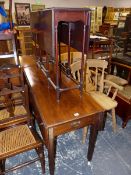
[[92, 141], [51, 152]]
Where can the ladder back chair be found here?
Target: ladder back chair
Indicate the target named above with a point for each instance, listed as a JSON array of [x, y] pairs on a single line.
[[101, 89], [11, 74], [13, 107], [11, 79], [17, 136], [103, 49], [75, 70]]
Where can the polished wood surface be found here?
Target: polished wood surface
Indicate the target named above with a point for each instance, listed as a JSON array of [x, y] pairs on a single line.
[[67, 25], [70, 100], [52, 19], [27, 61], [55, 118]]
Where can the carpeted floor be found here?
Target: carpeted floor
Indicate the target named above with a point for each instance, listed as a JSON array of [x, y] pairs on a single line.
[[112, 154]]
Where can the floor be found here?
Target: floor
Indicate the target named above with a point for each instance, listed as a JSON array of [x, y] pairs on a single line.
[[112, 154]]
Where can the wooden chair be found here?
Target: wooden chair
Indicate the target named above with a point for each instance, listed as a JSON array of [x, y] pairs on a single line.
[[11, 74], [74, 56], [13, 107], [100, 89], [75, 63], [75, 70], [17, 136], [103, 50], [68, 66]]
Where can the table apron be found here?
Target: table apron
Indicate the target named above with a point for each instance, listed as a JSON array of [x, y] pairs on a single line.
[[76, 124]]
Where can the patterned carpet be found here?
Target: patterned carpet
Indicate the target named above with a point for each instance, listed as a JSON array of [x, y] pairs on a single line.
[[112, 154]]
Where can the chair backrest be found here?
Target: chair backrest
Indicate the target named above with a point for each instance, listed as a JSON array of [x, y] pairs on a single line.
[[11, 75], [74, 56], [103, 49], [75, 64], [95, 74], [14, 107], [75, 70], [13, 96], [64, 57]]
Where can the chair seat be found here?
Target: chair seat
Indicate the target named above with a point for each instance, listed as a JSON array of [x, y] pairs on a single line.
[[19, 110], [126, 92], [117, 80], [16, 95], [14, 140], [103, 100]]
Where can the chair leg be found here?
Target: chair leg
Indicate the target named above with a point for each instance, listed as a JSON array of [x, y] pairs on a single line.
[[42, 158], [2, 166], [32, 123], [113, 119], [85, 130]]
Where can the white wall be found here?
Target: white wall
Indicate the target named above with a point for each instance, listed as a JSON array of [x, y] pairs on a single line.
[[81, 3], [75, 3]]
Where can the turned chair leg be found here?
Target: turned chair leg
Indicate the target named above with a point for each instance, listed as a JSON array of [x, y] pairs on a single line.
[[113, 119], [42, 158], [85, 131]]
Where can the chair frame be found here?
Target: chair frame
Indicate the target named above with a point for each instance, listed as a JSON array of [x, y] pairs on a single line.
[[103, 85], [38, 145]]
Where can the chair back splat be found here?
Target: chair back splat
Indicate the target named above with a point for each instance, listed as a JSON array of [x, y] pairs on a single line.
[[95, 74]]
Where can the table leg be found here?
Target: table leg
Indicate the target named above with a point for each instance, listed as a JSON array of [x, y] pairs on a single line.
[[51, 152], [92, 141], [102, 121]]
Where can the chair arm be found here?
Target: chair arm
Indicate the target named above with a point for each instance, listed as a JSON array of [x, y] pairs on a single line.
[[120, 88]]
